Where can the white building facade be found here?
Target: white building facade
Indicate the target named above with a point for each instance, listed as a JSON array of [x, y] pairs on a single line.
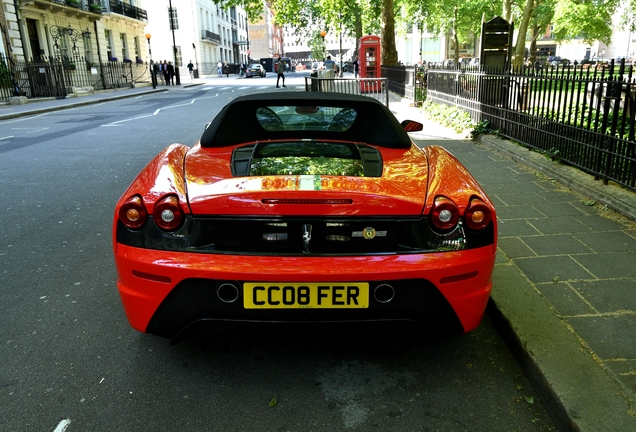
[[204, 33], [296, 47], [97, 30]]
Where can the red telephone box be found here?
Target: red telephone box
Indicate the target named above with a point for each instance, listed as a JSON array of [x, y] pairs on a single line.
[[369, 63]]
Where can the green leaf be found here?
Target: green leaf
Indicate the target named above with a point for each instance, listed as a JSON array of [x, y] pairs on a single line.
[[273, 402], [530, 399]]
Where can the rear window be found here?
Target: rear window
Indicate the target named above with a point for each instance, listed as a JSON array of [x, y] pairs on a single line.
[[306, 158], [305, 118]]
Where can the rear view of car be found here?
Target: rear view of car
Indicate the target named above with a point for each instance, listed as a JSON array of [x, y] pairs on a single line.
[[294, 208], [255, 70]]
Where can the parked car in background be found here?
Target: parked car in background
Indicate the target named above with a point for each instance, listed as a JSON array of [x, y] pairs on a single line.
[[558, 61], [629, 61], [255, 69], [593, 62]]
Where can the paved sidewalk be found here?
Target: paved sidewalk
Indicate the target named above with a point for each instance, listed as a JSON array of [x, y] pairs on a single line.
[[565, 277]]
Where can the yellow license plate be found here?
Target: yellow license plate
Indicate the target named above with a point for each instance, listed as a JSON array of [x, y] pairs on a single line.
[[284, 295]]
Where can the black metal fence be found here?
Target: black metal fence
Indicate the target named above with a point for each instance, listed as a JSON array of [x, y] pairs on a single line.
[[581, 116], [408, 82], [58, 77], [377, 88]]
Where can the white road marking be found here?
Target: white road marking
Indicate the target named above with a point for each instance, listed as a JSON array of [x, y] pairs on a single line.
[[31, 130], [27, 118], [157, 111], [61, 426], [130, 119], [7, 137], [180, 105]]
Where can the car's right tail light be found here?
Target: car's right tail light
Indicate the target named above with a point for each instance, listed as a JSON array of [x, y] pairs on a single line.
[[133, 213], [478, 215], [445, 214]]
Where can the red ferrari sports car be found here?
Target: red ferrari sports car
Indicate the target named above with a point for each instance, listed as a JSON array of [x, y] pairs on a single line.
[[304, 207]]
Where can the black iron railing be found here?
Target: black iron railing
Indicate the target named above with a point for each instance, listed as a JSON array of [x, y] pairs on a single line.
[[57, 77], [581, 115]]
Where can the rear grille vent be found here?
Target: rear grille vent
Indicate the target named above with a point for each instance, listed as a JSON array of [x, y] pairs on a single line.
[[302, 236]]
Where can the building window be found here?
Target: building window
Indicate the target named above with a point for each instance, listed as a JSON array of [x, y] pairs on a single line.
[[178, 56], [88, 54], [63, 47], [137, 48], [174, 21], [109, 43], [124, 46]]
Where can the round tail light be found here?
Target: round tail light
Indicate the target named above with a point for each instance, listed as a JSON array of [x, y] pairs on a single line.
[[167, 213], [445, 214], [133, 213], [478, 215]]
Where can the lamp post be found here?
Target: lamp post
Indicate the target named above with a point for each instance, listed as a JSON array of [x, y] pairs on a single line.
[[153, 77], [174, 44], [196, 60], [323, 33]]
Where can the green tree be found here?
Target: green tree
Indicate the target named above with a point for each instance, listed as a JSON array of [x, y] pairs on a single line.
[[461, 20], [589, 20]]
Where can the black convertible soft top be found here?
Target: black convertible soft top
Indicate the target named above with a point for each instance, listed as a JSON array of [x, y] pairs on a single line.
[[237, 122]]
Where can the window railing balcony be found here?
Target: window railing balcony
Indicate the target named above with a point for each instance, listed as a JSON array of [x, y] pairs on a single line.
[[95, 6], [209, 36], [125, 9]]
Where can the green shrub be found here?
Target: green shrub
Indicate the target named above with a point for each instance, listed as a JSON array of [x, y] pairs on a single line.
[[446, 115]]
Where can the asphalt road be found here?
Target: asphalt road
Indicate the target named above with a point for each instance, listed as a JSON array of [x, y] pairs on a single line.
[[71, 362]]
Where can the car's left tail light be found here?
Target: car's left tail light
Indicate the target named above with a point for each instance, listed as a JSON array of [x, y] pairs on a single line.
[[167, 213], [133, 213]]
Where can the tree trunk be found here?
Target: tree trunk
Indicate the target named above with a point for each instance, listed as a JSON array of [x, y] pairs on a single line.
[[456, 40], [532, 54], [358, 29], [507, 10], [517, 59], [389, 52]]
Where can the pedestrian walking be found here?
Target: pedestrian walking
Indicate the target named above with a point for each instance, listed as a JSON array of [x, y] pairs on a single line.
[[356, 68], [226, 69], [279, 71], [219, 68], [159, 69], [164, 68], [330, 64], [191, 71], [171, 73], [154, 70]]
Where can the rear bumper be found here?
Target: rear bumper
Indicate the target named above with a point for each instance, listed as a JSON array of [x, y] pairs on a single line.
[[164, 292]]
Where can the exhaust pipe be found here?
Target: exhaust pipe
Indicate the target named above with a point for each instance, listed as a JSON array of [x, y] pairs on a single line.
[[383, 293], [227, 292]]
